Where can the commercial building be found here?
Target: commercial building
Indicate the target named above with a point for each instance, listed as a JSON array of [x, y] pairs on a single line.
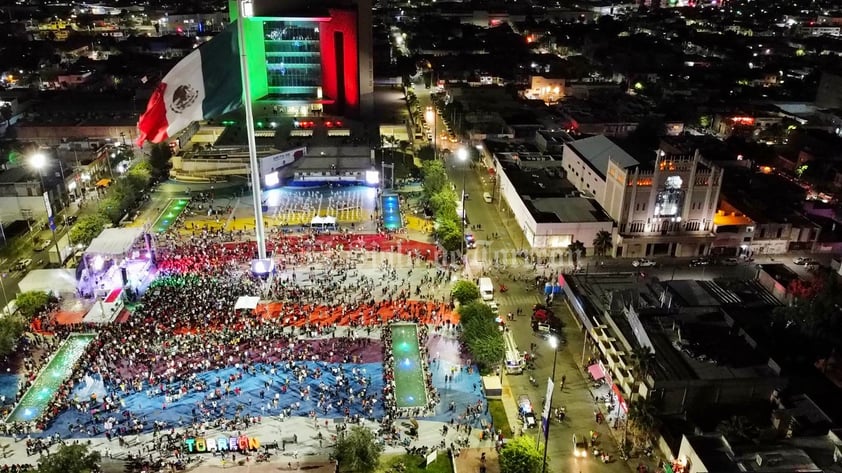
[[662, 207], [307, 58], [700, 355], [759, 214], [549, 210]]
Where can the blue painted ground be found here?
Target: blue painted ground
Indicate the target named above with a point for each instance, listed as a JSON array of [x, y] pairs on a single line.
[[465, 389], [9, 387]]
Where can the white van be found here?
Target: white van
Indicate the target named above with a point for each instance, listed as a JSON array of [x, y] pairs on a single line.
[[514, 359], [486, 289], [486, 196]]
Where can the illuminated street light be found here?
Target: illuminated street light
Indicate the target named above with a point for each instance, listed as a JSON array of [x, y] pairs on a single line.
[[38, 161]]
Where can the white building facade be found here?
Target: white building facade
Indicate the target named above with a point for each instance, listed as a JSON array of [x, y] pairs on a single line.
[[661, 208]]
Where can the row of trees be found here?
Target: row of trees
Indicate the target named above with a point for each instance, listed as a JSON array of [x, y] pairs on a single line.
[[480, 331], [441, 200], [122, 196]]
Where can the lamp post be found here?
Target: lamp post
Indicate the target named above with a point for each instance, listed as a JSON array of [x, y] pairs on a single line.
[[462, 155], [553, 341], [39, 162]]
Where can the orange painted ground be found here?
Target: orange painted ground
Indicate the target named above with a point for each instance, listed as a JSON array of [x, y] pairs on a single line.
[[320, 315], [65, 317]]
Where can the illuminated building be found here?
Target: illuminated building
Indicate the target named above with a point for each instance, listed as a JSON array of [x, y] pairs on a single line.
[[662, 207], [306, 58]]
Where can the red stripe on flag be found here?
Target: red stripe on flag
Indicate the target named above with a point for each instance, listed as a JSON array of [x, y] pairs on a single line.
[[153, 124]]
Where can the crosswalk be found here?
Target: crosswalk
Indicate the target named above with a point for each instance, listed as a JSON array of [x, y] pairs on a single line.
[[517, 299], [752, 292]]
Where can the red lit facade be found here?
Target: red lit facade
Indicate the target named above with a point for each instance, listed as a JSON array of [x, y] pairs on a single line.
[[338, 45]]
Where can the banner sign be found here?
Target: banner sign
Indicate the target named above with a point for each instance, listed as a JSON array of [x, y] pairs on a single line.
[[548, 403], [221, 444]]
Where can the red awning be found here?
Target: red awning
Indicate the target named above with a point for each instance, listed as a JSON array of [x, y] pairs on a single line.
[[596, 371], [620, 399]]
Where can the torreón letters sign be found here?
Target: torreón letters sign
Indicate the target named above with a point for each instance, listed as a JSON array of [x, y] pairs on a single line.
[[221, 444]]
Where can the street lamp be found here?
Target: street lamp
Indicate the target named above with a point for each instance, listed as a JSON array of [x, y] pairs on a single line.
[[553, 342], [462, 155], [39, 162]]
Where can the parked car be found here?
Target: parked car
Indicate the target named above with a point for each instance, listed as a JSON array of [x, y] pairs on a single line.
[[703, 261], [549, 326], [527, 413], [643, 263], [21, 265], [41, 245], [730, 261], [494, 307], [802, 260]]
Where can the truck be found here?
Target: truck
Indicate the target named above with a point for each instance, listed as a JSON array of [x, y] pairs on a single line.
[[486, 289]]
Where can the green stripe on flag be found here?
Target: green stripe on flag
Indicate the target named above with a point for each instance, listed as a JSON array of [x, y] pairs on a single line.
[[221, 73]]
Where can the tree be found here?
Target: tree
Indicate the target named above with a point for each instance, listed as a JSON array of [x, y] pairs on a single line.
[[112, 207], [141, 171], [357, 451], [451, 240], [520, 455], [87, 228], [642, 359], [465, 291], [602, 243], [481, 334], [427, 153], [577, 250], [435, 178], [159, 160], [443, 204], [31, 302], [641, 422], [70, 458], [11, 329]]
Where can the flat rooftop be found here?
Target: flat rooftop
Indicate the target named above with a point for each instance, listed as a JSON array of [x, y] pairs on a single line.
[[566, 210], [549, 197], [689, 344]]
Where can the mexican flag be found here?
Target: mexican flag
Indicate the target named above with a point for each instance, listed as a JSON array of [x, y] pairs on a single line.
[[205, 84]]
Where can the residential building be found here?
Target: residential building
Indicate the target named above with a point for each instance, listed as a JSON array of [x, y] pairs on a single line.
[[662, 207]]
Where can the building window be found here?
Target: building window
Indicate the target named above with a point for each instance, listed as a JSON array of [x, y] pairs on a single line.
[[669, 201]]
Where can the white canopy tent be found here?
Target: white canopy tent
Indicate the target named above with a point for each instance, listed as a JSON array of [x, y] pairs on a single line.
[[114, 241], [323, 221], [246, 303], [56, 281]]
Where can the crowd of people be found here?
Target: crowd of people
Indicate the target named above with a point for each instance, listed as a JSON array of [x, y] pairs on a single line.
[[185, 326]]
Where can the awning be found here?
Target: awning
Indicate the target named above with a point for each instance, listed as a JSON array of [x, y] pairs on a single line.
[[620, 399], [596, 371]]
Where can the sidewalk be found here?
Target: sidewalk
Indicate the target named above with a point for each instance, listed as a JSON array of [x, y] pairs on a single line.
[[469, 461], [576, 344]]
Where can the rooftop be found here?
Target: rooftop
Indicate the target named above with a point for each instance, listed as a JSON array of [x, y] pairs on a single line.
[[598, 150], [548, 196], [764, 198], [714, 452]]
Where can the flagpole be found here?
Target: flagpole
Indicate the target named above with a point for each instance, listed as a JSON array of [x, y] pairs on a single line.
[[260, 233]]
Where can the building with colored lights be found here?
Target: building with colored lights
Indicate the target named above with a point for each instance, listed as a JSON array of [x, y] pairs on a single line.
[[664, 206], [310, 58]]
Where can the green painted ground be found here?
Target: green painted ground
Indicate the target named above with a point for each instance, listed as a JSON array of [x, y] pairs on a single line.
[[174, 208], [48, 382], [410, 390]]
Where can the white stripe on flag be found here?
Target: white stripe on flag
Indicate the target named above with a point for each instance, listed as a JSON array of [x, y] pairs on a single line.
[[185, 93]]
